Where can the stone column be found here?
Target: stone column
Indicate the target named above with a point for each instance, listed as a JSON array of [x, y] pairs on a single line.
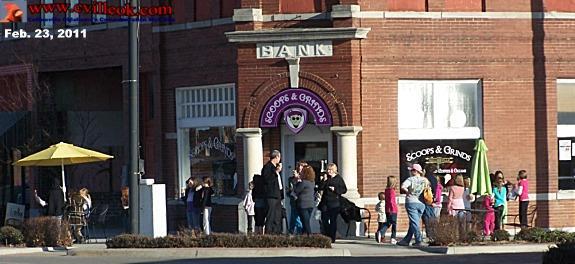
[[253, 163], [253, 152], [347, 157]]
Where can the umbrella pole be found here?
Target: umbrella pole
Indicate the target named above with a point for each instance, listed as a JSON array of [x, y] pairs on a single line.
[[63, 180]]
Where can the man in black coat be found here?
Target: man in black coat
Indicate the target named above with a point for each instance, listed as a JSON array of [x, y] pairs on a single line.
[[274, 193]]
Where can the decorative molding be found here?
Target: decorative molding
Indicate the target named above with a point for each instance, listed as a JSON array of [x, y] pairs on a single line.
[[345, 11], [346, 130], [296, 34], [248, 15]]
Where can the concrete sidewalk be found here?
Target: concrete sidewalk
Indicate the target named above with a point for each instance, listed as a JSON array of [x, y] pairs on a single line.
[[359, 247]]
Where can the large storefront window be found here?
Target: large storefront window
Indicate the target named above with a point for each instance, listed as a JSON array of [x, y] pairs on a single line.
[[439, 109], [439, 122], [206, 136], [443, 158], [212, 154], [566, 133]]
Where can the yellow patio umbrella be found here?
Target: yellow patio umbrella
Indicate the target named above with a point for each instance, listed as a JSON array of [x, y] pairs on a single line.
[[62, 154]]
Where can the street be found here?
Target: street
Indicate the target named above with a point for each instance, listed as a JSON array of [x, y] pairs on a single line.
[[61, 258]]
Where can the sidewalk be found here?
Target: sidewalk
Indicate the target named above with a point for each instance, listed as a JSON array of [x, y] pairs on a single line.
[[358, 247]]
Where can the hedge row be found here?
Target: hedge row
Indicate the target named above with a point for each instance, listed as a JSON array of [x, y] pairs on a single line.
[[540, 235], [218, 240]]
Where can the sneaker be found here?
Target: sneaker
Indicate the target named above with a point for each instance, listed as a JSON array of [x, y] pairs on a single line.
[[393, 241], [416, 244], [402, 243]]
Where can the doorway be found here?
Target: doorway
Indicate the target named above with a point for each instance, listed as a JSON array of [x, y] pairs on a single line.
[[313, 145]]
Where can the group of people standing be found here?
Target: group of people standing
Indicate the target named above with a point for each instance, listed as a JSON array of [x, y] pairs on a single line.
[[74, 208], [458, 204], [198, 199], [264, 199], [504, 191]]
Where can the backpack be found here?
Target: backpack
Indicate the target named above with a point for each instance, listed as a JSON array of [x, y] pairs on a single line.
[[349, 211]]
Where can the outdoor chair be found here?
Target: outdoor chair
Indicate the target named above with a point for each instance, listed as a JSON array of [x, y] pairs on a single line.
[[98, 218], [88, 216], [531, 214]]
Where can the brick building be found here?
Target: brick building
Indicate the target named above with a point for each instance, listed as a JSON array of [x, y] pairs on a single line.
[[376, 82]]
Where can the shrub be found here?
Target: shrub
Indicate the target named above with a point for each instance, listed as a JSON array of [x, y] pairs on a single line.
[[185, 240], [451, 230], [500, 235], [11, 236], [540, 235], [564, 253], [47, 232], [534, 234]]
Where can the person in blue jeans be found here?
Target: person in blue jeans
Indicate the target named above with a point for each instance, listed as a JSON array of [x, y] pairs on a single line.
[[304, 190], [413, 187]]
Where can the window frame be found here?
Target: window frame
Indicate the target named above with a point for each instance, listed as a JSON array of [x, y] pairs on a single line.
[[444, 133], [183, 125], [563, 131]]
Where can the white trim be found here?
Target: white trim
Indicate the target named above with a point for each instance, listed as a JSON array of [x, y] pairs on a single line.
[[566, 195], [428, 15], [472, 81], [565, 81], [345, 11], [248, 15], [565, 131], [296, 34], [439, 133]]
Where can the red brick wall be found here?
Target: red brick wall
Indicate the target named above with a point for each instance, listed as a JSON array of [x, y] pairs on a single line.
[[300, 6]]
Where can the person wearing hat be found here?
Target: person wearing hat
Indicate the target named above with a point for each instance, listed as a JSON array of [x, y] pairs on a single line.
[[413, 187]]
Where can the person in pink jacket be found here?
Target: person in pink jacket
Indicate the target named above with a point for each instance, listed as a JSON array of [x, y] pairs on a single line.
[[489, 219], [523, 194], [455, 203]]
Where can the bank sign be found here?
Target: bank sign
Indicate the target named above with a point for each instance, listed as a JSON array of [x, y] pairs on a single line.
[[296, 103]]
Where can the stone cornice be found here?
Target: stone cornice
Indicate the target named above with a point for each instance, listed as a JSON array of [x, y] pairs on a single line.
[[297, 34]]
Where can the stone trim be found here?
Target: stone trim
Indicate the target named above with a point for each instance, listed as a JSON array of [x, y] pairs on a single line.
[[296, 34], [355, 14], [249, 131], [345, 11], [248, 15]]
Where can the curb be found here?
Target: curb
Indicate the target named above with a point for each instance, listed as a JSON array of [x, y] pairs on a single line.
[[12, 251], [498, 249], [213, 252]]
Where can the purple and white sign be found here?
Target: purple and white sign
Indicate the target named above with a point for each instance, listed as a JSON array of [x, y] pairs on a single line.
[[295, 98], [296, 119]]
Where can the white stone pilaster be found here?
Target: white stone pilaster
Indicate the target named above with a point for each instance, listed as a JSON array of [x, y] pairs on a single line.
[[347, 157], [293, 71], [253, 152]]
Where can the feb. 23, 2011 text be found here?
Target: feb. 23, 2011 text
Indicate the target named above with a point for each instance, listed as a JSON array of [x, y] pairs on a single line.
[[62, 33]]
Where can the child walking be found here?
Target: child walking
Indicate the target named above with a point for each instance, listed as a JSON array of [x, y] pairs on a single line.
[[523, 193], [249, 205], [489, 220], [390, 209], [380, 209]]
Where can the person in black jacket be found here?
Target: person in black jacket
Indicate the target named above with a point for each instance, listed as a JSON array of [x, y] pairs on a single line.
[[333, 187], [56, 203], [205, 192], [274, 193]]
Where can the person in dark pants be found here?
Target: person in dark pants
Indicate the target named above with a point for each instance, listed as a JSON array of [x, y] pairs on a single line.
[[429, 216], [274, 193], [304, 191], [523, 193], [260, 204], [333, 187]]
